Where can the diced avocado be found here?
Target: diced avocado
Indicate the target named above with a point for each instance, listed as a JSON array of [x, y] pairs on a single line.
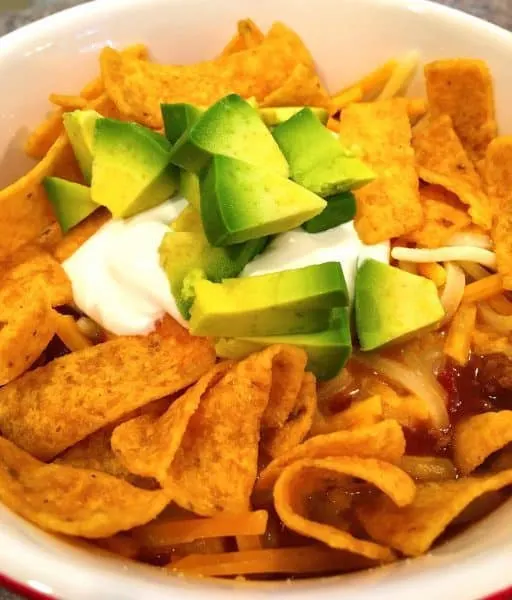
[[317, 160], [190, 189], [71, 201], [187, 258], [340, 209], [188, 220], [328, 351], [178, 118], [288, 302], [234, 128], [280, 114], [81, 126], [131, 171], [240, 202], [392, 305]]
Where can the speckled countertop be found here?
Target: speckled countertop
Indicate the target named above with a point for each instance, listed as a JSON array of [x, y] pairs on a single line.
[[498, 11]]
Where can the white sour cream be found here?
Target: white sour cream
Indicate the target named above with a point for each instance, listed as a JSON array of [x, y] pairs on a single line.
[[116, 275], [298, 248]]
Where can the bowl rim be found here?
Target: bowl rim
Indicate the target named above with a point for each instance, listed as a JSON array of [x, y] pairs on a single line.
[[16, 39]]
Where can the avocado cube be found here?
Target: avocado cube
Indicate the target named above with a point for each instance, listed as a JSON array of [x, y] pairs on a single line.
[[340, 209], [240, 202], [328, 351], [71, 201], [231, 127], [317, 160], [178, 118], [189, 219], [276, 115], [288, 302], [80, 126], [131, 169], [190, 188], [392, 305], [187, 257]]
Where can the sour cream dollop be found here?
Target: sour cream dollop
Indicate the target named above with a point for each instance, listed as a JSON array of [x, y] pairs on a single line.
[[116, 275]]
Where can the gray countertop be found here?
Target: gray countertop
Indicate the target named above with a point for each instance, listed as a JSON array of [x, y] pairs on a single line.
[[498, 11]]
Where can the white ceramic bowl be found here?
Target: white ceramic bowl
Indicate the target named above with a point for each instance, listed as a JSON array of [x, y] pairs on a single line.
[[347, 38]]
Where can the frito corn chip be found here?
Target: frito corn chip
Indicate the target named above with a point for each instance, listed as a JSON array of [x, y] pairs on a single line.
[[74, 396], [279, 441], [138, 88], [498, 176], [414, 528], [288, 374], [248, 36], [442, 160], [95, 453], [25, 209], [444, 216], [73, 501], [27, 326], [384, 441], [215, 467], [296, 487], [302, 88], [478, 437], [45, 135], [363, 413], [32, 261], [147, 444], [77, 236], [462, 89], [389, 206], [67, 166]]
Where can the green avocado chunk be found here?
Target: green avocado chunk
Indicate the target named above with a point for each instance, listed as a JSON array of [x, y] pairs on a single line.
[[328, 351], [392, 305], [288, 302], [178, 118], [317, 160], [80, 126], [240, 202], [186, 257], [131, 170], [71, 201], [280, 114], [190, 188], [340, 209], [231, 127]]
